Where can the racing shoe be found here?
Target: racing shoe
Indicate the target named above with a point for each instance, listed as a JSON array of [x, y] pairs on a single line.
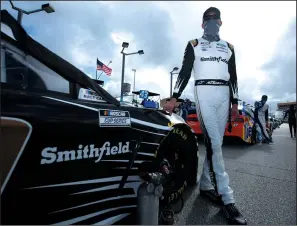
[[167, 217], [212, 195], [267, 141], [234, 217]]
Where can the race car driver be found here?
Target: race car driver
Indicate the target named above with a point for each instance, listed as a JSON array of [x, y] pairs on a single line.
[[292, 119], [213, 62], [261, 117]]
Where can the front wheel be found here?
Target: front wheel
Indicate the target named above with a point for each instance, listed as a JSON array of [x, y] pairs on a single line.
[[187, 144], [182, 141]]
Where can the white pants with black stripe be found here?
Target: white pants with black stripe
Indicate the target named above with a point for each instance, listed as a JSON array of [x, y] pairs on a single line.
[[212, 103], [262, 124]]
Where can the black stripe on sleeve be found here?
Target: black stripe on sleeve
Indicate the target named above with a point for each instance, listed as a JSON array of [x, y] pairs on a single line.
[[233, 76], [185, 72]]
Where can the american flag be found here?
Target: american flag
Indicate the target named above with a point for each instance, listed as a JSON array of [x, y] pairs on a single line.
[[103, 67]]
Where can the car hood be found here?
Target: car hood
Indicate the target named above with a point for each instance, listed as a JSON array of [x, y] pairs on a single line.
[[156, 116]]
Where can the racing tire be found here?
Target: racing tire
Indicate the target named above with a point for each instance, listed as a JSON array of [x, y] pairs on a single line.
[[182, 138], [189, 147]]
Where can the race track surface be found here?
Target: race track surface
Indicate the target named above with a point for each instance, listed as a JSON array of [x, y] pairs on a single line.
[[263, 179]]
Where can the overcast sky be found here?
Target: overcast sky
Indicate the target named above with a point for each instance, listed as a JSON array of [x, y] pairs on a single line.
[[263, 34]]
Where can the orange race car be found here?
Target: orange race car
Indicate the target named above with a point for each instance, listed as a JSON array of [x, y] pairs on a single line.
[[243, 127]]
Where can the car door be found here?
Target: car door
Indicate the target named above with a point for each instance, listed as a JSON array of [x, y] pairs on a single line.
[[67, 167]]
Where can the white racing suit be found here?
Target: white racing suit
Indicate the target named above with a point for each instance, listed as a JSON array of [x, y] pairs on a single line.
[[215, 79], [259, 136], [261, 117]]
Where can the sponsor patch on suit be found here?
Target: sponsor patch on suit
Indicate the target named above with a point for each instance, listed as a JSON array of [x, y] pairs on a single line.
[[222, 50]]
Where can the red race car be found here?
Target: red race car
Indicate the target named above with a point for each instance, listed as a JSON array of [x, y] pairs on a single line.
[[242, 127]]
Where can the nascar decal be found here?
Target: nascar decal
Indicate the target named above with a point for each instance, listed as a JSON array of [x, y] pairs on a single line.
[[50, 155], [87, 94], [114, 118]]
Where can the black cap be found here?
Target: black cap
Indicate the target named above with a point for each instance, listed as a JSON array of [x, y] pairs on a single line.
[[264, 97], [216, 11]]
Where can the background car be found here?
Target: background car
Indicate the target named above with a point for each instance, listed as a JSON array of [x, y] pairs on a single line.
[[273, 123], [242, 127]]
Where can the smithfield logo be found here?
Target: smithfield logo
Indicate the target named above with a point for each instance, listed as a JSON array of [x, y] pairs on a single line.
[[218, 59], [52, 154]]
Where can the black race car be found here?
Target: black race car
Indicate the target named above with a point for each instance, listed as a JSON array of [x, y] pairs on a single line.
[[70, 152]]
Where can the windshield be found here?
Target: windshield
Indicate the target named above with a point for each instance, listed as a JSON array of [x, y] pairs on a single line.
[[49, 58]]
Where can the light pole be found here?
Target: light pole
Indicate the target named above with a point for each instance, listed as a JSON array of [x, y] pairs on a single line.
[[134, 70], [171, 77], [140, 52], [45, 7]]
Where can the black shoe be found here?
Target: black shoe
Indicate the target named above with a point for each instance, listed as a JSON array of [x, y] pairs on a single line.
[[213, 196], [167, 217], [233, 215]]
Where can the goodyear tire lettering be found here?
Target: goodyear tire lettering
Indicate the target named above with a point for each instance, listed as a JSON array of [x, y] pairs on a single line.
[[180, 132]]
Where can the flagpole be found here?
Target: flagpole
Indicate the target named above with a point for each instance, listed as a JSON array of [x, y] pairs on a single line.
[[102, 71], [96, 68]]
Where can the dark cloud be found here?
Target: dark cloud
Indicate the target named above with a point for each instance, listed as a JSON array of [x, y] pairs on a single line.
[[78, 22], [281, 69], [79, 30], [151, 26]]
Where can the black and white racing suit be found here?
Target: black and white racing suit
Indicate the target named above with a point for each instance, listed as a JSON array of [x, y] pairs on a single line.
[[215, 79], [291, 120], [261, 117]]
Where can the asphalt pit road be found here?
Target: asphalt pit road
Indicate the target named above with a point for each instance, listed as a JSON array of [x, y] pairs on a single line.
[[241, 170], [204, 212]]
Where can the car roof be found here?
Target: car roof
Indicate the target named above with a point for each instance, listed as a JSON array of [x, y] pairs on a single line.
[[27, 44]]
